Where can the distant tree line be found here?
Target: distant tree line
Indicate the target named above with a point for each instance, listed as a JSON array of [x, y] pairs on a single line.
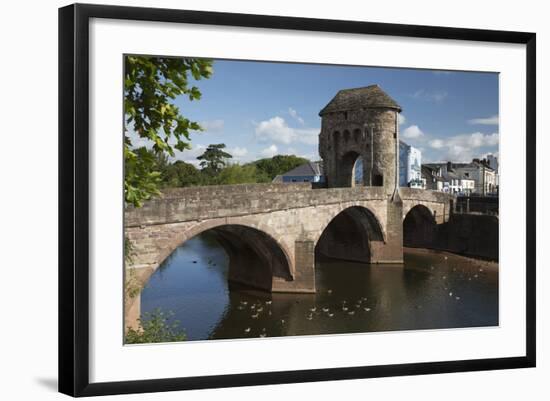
[[216, 168]]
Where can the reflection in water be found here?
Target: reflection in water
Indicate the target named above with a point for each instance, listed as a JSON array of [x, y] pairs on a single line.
[[431, 290]]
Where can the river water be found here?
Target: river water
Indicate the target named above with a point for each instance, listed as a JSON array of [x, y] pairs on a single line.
[[431, 290]]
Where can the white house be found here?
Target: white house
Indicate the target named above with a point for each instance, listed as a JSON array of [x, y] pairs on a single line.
[[410, 162], [484, 176], [447, 178], [493, 163], [308, 172], [431, 177]]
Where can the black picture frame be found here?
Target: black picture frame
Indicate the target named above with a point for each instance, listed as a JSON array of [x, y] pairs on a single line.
[[74, 198]]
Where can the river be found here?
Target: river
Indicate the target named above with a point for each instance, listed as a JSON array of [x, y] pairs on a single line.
[[431, 290]]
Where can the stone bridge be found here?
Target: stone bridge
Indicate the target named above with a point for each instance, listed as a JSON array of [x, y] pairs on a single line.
[[273, 232]]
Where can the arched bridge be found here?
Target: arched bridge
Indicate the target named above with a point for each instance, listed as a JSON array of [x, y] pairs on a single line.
[[271, 232]]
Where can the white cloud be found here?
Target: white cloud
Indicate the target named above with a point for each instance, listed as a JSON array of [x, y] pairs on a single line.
[[238, 152], [190, 155], [269, 151], [484, 155], [401, 119], [436, 143], [308, 136], [294, 114], [212, 125], [295, 152], [277, 130], [291, 151], [493, 120], [138, 142], [474, 140], [464, 147], [412, 132], [434, 96]]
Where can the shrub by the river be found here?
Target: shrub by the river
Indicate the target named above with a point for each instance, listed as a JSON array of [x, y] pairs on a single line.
[[155, 327]]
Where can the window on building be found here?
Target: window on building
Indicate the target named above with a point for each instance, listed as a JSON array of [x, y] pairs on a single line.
[[378, 180]]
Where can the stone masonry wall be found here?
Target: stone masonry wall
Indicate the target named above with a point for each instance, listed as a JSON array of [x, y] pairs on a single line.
[[369, 133], [474, 235]]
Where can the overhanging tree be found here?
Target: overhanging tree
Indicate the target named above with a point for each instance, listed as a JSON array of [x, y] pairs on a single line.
[[151, 84]]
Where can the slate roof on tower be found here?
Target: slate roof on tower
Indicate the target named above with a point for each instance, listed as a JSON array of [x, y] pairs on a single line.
[[358, 98]]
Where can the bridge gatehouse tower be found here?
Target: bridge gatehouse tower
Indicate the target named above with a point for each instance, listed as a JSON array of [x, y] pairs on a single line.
[[361, 123]]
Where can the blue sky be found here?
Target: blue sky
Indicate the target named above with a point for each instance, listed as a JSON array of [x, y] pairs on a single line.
[[259, 109]]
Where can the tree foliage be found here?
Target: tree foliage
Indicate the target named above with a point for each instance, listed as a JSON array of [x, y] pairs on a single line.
[[279, 164], [221, 172], [237, 174], [151, 84], [214, 159], [181, 174]]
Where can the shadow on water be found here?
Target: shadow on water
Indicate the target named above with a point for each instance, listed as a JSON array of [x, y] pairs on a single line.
[[431, 290]]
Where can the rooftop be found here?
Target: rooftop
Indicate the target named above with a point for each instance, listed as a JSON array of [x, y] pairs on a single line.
[[371, 96], [306, 169], [472, 164]]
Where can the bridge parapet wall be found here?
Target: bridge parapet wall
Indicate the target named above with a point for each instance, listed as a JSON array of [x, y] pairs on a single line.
[[216, 190], [202, 203], [435, 201], [425, 195]]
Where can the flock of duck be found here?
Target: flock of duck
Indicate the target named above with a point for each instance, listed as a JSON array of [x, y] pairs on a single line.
[[259, 308], [345, 308], [444, 277]]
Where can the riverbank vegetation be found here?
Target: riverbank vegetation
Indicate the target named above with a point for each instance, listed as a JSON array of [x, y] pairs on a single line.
[[156, 327]]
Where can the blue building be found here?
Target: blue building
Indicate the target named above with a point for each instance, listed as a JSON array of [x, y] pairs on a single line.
[[410, 170], [308, 172]]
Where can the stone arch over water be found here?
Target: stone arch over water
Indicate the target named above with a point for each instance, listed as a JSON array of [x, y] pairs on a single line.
[[351, 235], [255, 257], [419, 227]]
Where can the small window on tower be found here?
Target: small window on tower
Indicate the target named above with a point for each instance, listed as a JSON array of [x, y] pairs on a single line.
[[345, 115], [377, 180]]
